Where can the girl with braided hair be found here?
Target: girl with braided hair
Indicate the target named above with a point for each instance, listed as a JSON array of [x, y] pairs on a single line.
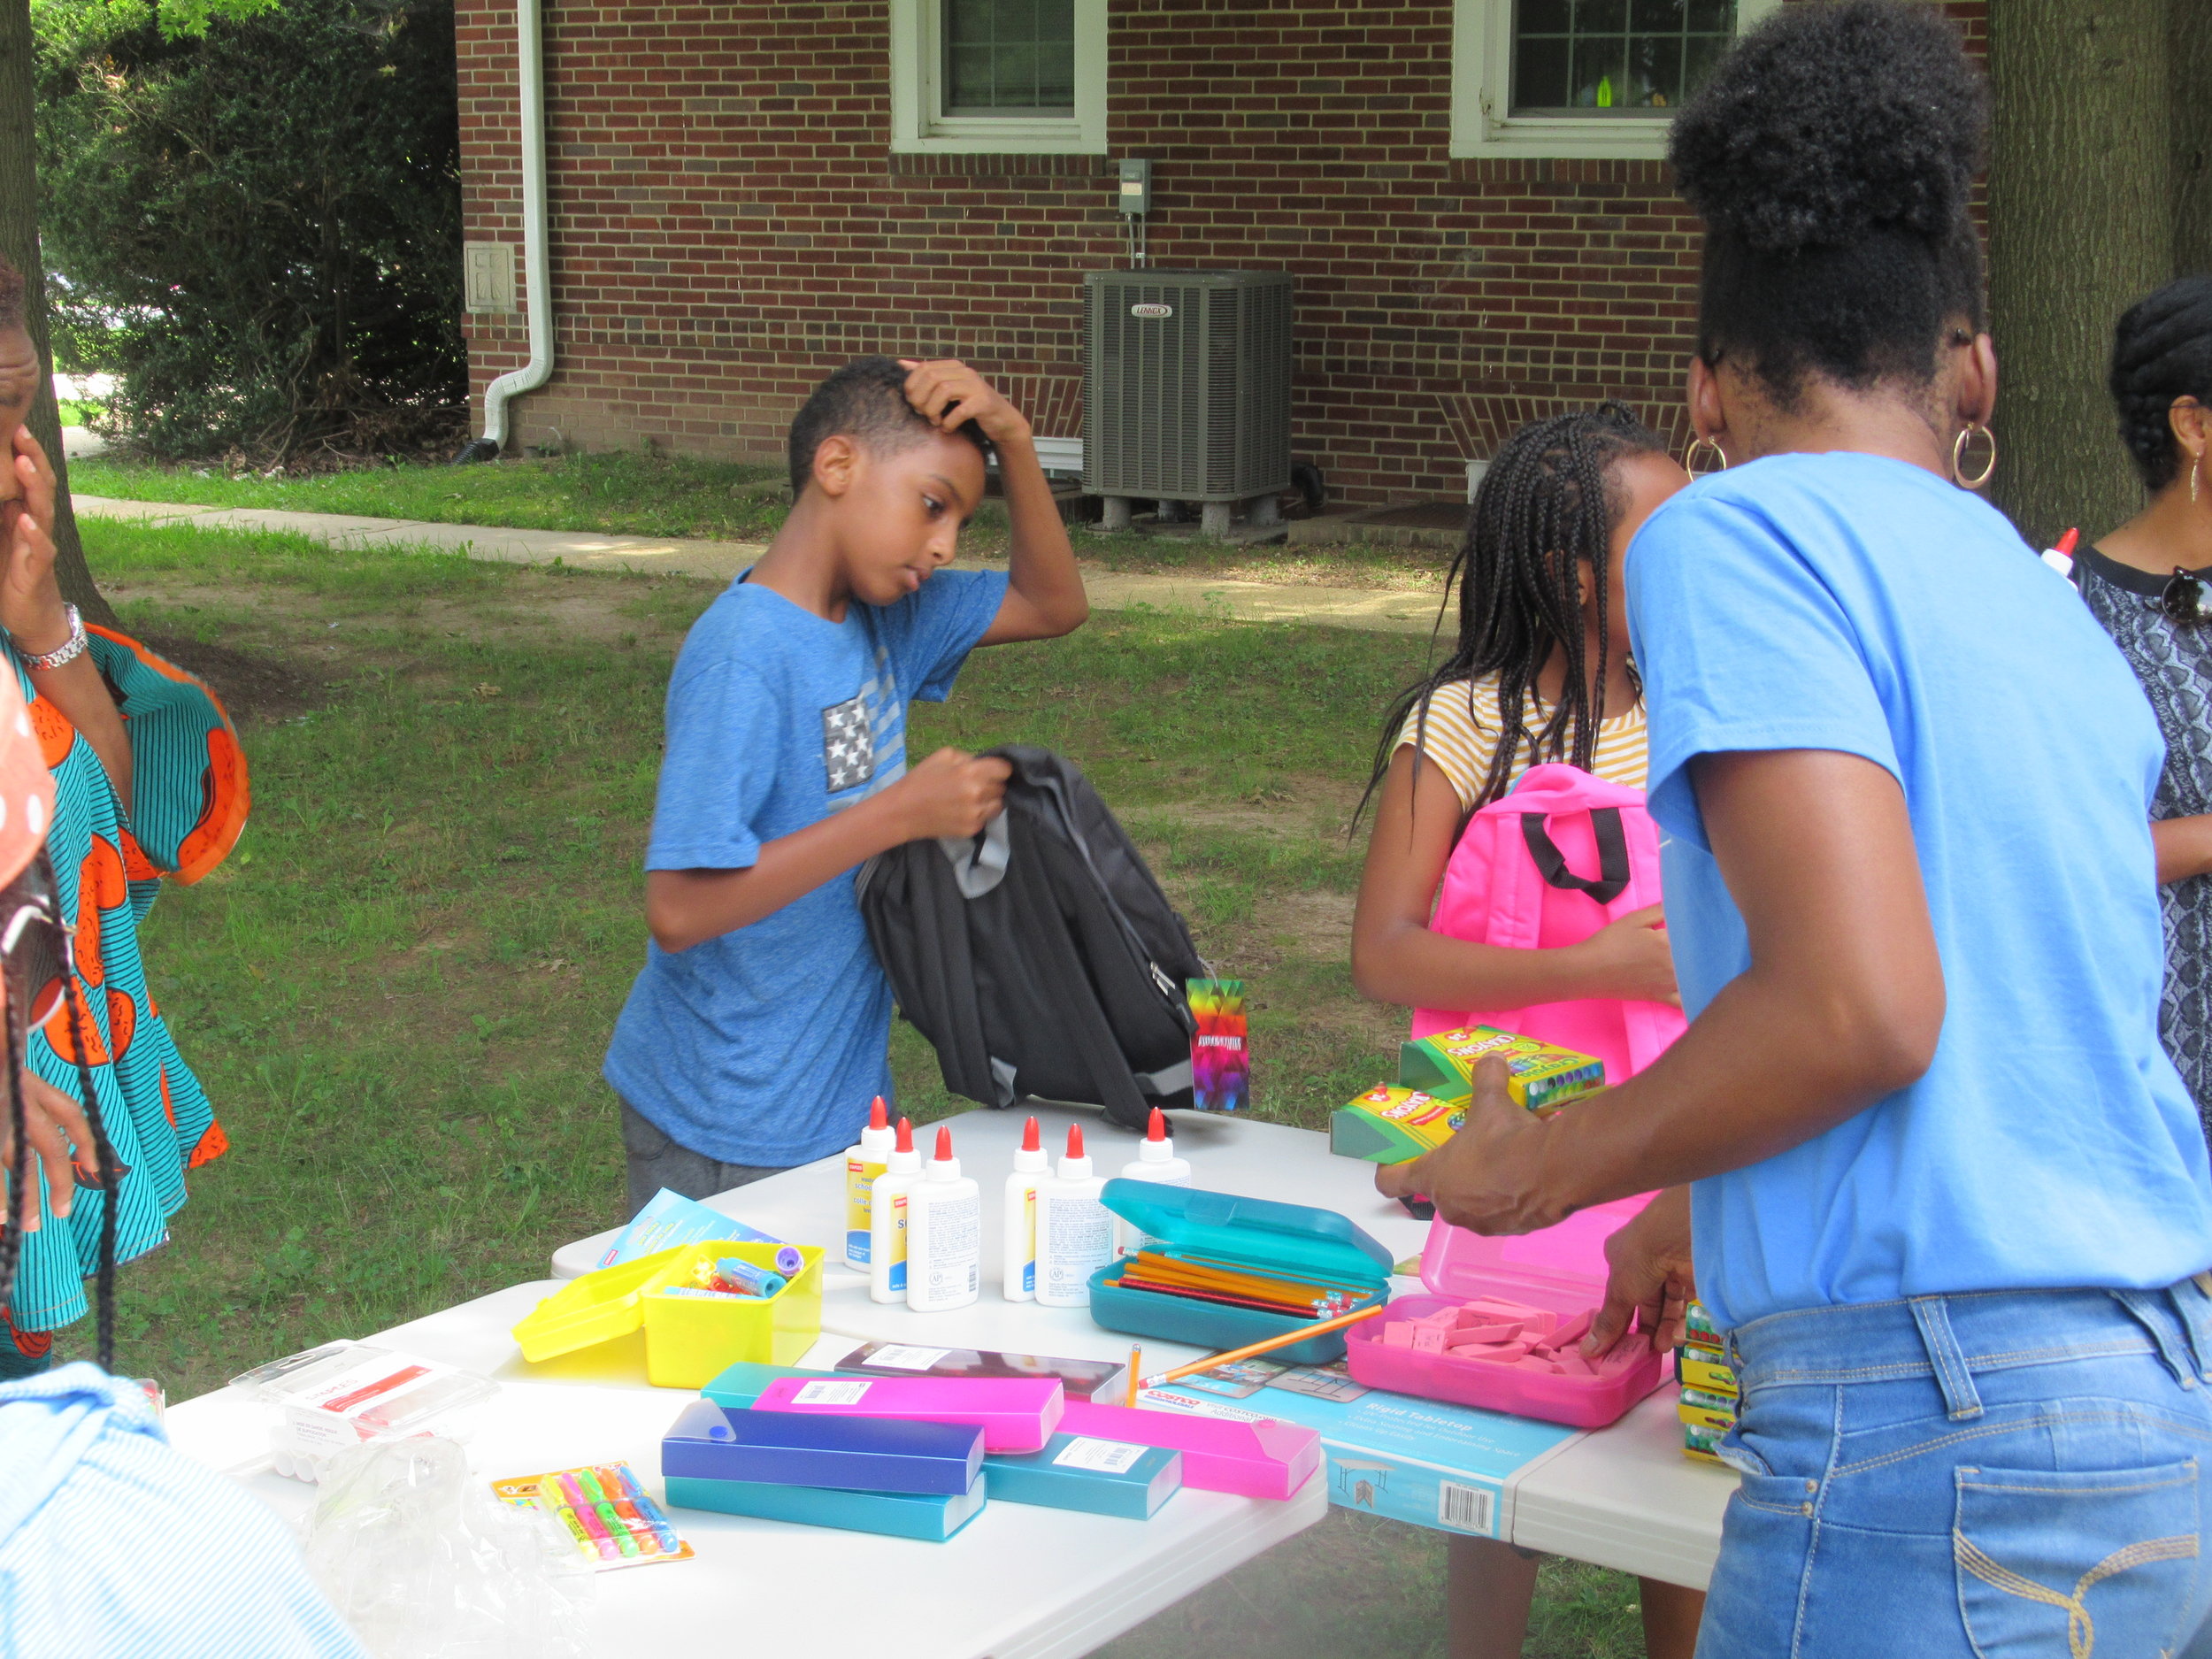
[[1540, 672], [2146, 582], [1925, 1160]]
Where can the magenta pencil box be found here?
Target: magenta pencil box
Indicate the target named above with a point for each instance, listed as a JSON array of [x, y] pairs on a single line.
[[1015, 1414], [796, 1448], [1266, 1459]]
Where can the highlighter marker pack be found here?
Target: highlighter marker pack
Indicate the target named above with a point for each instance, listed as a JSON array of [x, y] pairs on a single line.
[[612, 1518]]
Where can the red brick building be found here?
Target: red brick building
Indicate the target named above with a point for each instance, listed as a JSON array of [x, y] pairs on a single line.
[[741, 196]]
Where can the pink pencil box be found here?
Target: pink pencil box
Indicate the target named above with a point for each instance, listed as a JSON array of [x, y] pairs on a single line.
[[1561, 1271], [1016, 1414], [1266, 1459]]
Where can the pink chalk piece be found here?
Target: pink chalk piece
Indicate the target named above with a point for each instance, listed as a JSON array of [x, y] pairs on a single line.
[[1266, 1459], [1502, 1353], [1016, 1414], [1427, 1340], [1398, 1333], [1503, 1331]]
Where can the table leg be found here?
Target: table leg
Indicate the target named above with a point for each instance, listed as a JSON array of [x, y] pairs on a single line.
[[1670, 1617], [1488, 1587]]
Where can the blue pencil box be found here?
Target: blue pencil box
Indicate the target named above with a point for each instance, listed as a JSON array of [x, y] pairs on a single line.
[[931, 1516], [795, 1448], [1080, 1471]]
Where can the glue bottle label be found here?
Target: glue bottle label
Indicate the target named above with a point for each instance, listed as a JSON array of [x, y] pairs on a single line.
[[1029, 1234], [898, 1244], [860, 1176]]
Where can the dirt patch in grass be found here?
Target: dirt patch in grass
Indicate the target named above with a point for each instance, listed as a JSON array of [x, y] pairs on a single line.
[[253, 685]]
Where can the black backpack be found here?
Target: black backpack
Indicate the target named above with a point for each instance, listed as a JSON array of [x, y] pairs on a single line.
[[1039, 957]]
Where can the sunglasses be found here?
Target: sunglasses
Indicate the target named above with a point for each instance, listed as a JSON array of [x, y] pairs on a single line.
[[2182, 599]]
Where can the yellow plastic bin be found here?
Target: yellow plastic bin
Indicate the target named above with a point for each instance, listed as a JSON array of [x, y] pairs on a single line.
[[689, 1340]]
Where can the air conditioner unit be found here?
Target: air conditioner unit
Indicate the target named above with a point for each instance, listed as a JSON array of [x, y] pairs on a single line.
[[1187, 385]]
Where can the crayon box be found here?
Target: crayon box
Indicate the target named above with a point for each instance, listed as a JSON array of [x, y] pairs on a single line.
[[1542, 1076]]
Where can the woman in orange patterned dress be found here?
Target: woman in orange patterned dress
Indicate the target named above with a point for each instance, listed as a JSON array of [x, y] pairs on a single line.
[[149, 783]]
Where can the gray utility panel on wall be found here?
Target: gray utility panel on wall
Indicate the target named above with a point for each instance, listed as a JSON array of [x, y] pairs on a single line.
[[1186, 385]]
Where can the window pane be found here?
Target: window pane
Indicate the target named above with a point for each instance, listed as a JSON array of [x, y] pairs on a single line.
[[1627, 57], [1008, 57]]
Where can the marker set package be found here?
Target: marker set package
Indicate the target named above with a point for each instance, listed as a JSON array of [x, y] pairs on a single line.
[[1221, 1055], [605, 1510], [325, 1399]]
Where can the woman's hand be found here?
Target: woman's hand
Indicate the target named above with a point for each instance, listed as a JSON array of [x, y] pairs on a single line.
[[54, 1124], [1630, 958], [31, 607]]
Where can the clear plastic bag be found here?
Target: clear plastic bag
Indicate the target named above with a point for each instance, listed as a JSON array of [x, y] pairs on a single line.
[[424, 1562]]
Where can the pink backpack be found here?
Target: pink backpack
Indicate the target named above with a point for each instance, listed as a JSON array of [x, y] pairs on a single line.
[[1512, 881]]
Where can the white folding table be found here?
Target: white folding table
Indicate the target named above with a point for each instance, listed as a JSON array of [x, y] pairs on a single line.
[[1018, 1582]]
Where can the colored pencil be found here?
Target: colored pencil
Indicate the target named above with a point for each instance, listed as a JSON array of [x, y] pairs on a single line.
[[1252, 1349]]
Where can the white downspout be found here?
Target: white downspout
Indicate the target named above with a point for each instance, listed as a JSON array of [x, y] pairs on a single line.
[[536, 258]]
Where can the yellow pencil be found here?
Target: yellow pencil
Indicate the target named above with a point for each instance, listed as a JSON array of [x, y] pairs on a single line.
[[1136, 1359], [1252, 1348]]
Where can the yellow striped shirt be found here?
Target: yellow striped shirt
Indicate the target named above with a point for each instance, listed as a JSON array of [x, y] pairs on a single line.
[[1461, 739]]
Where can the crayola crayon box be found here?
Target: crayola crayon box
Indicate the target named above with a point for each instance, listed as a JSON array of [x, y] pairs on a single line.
[[1543, 1075], [1389, 1126]]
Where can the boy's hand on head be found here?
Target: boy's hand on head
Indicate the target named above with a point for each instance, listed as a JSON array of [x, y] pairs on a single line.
[[950, 394], [951, 793]]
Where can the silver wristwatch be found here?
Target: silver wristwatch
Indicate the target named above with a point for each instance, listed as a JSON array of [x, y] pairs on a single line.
[[68, 651]]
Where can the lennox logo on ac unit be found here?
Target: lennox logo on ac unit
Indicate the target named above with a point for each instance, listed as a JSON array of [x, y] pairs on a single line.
[[1151, 308]]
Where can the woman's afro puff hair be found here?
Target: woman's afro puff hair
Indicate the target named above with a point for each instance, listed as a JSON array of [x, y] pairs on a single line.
[[1830, 121]]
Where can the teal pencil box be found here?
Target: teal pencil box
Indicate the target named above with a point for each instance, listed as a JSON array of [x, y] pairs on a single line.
[[1251, 1235], [931, 1516], [743, 1383], [1080, 1471]]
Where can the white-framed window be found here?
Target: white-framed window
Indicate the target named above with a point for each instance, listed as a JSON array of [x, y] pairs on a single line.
[[998, 77], [1582, 78]]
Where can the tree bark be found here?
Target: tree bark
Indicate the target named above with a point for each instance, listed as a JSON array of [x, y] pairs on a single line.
[[2081, 224], [2190, 66], [18, 241]]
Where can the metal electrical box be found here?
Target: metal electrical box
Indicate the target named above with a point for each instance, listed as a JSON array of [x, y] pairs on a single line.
[[1186, 384]]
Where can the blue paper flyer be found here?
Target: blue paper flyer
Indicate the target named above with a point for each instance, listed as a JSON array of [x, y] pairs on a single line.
[[1419, 1460]]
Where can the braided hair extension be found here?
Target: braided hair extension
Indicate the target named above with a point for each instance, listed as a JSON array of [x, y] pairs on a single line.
[[19, 1179], [103, 1155], [1545, 509], [2162, 349]]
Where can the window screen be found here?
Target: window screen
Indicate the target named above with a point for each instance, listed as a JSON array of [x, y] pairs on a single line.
[[1008, 57], [1632, 57]]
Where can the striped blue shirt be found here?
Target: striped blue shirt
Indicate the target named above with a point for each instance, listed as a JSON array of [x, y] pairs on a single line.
[[115, 1545]]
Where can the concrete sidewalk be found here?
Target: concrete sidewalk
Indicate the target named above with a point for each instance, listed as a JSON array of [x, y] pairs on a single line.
[[1378, 609]]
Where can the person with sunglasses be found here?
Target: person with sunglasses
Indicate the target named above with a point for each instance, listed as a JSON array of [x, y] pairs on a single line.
[[149, 784], [2149, 582]]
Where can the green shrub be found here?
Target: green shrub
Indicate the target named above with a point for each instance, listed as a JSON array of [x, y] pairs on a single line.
[[257, 229]]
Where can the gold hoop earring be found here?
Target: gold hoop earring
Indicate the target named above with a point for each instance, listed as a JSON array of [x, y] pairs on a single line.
[[1958, 453], [1689, 458]]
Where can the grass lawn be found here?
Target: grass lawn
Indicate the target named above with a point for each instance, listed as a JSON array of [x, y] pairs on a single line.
[[398, 991], [635, 494]]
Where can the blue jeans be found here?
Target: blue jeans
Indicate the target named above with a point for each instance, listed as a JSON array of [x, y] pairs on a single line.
[[1965, 1477]]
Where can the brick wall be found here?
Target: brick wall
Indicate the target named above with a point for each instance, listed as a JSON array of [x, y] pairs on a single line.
[[728, 224]]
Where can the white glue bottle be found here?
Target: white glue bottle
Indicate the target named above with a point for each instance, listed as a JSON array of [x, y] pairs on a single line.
[[863, 1164], [887, 1219], [1021, 1216], [1075, 1235], [944, 1235], [1156, 1161]]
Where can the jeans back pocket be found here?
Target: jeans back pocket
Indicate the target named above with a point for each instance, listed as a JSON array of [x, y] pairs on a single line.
[[2075, 1563]]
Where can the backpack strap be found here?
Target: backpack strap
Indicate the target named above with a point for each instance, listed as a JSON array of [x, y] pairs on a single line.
[[1613, 870]]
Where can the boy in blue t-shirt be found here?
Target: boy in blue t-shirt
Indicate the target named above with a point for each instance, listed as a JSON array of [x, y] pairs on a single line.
[[758, 1033]]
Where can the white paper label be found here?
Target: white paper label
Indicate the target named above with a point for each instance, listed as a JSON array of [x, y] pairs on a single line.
[[830, 1394], [1111, 1457], [898, 1358]]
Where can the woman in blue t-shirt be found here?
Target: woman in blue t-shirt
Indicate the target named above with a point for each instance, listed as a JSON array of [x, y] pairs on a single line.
[[1946, 1192]]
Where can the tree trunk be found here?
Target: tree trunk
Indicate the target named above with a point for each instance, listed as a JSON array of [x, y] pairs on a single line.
[[18, 241], [2190, 67], [2081, 215]]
